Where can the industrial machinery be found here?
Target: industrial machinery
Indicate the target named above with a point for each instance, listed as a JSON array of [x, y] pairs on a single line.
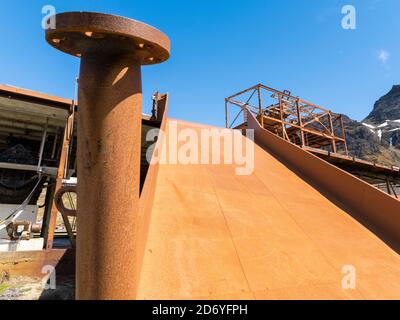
[[31, 133], [37, 144], [38, 157]]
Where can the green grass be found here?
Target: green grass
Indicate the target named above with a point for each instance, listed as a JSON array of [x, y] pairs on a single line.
[[3, 288]]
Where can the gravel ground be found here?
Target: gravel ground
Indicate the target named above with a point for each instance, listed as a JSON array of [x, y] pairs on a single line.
[[26, 288]]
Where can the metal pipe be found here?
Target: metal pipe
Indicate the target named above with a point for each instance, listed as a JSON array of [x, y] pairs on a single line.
[[109, 132], [260, 109], [42, 145], [226, 114]]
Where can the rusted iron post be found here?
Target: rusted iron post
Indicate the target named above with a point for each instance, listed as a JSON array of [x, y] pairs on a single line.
[[60, 176], [300, 123], [334, 149], [260, 110], [281, 116], [112, 50], [344, 135], [47, 209], [226, 114]]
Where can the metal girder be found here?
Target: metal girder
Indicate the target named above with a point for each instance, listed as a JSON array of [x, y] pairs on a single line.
[[289, 112], [49, 171]]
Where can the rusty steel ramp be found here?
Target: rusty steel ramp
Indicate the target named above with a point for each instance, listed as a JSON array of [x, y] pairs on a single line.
[[281, 232]]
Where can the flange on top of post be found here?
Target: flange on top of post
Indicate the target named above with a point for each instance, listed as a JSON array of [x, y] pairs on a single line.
[[77, 33]]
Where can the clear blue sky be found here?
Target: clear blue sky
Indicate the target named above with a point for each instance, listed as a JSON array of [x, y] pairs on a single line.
[[222, 46]]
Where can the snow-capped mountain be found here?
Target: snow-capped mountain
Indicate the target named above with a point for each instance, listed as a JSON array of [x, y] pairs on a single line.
[[377, 137]]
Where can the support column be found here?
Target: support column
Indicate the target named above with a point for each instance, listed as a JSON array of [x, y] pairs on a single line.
[[334, 149], [300, 124], [109, 133], [60, 176], [260, 109], [112, 49]]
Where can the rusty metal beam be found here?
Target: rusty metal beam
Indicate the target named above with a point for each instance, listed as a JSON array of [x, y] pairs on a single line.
[[48, 207], [344, 135], [260, 109], [226, 114], [112, 50], [60, 176], [333, 132], [243, 92], [20, 94], [300, 124]]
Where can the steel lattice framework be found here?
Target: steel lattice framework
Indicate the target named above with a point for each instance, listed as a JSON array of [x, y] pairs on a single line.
[[292, 118]]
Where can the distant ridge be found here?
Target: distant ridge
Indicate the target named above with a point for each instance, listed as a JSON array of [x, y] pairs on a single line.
[[377, 137]]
